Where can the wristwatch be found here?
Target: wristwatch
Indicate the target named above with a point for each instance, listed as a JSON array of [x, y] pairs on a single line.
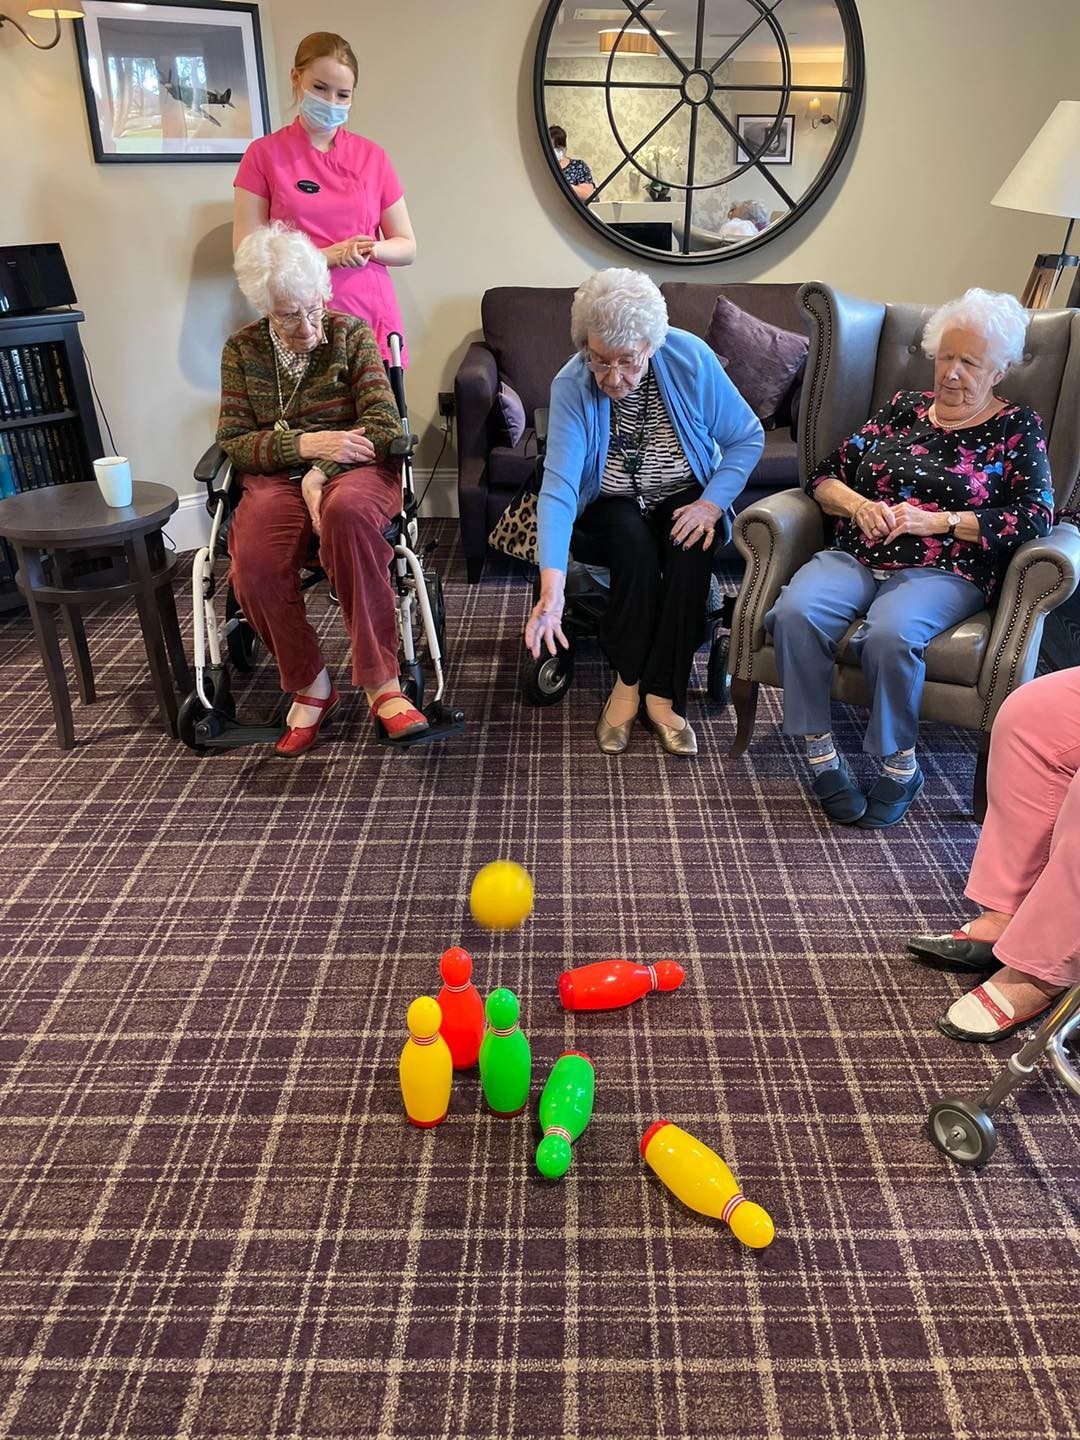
[[953, 520]]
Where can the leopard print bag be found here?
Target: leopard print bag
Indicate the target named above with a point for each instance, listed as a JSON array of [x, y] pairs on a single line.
[[515, 531]]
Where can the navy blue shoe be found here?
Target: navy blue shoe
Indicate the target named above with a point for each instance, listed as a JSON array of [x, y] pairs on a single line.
[[839, 796], [888, 800]]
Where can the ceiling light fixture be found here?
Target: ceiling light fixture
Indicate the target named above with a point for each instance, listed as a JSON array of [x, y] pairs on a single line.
[[628, 42]]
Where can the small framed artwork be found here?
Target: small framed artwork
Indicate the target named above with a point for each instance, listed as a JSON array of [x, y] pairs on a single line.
[[753, 130], [172, 82]]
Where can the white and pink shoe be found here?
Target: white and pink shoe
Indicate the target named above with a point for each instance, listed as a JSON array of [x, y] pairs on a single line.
[[986, 1014]]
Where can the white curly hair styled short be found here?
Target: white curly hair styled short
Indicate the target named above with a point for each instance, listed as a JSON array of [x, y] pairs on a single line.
[[1000, 318], [621, 308], [279, 268]]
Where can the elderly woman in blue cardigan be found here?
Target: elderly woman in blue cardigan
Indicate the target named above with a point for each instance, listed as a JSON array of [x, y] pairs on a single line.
[[649, 443]]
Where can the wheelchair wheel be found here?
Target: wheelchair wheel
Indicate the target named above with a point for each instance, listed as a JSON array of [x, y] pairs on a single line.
[[412, 684], [546, 681], [216, 685], [962, 1130], [718, 683], [242, 642], [433, 582]]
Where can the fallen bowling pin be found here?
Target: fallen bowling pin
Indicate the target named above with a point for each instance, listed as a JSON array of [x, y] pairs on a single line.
[[611, 983], [566, 1107], [702, 1181], [425, 1069]]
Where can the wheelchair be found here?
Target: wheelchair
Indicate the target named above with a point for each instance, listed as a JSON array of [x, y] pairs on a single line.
[[962, 1129], [545, 681], [207, 718]]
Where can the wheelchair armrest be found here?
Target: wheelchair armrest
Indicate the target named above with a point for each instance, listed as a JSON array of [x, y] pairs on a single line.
[[211, 465], [541, 417], [404, 445]]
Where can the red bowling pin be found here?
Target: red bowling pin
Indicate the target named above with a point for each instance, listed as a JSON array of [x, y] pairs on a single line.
[[611, 983], [462, 1008]]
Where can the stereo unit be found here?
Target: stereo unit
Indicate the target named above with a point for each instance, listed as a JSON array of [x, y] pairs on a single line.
[[32, 278]]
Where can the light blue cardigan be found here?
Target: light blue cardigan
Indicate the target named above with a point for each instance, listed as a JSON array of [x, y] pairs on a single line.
[[720, 435]]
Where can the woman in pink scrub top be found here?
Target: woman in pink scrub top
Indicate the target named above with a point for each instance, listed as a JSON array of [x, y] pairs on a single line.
[[336, 187]]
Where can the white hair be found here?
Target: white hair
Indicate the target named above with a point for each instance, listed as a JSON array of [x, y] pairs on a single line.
[[752, 210], [621, 307], [1000, 319], [278, 266]]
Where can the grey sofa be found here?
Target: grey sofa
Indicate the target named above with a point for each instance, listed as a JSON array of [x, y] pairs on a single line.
[[861, 353], [526, 341]]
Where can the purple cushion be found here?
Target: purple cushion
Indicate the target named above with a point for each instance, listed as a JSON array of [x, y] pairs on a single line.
[[763, 361], [509, 416]]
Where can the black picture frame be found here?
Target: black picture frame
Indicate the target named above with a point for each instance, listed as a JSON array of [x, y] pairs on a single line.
[[846, 99], [210, 77], [755, 130]]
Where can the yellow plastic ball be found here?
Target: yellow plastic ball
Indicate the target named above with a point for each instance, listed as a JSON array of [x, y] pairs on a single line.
[[501, 896]]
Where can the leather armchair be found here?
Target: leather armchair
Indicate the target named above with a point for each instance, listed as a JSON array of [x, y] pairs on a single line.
[[861, 353]]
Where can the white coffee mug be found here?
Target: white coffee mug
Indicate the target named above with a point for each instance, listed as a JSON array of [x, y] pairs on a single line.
[[114, 480]]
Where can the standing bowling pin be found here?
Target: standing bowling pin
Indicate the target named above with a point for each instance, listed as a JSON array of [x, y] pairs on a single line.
[[426, 1069], [462, 1008], [611, 983], [565, 1109], [702, 1181], [505, 1057]]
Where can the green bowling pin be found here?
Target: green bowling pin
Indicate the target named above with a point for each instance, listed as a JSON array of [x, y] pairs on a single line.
[[505, 1057], [565, 1109]]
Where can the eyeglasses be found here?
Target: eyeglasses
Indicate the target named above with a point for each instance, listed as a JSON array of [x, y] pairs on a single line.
[[619, 367], [295, 319]]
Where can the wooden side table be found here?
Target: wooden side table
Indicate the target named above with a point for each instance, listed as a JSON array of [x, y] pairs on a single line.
[[47, 530]]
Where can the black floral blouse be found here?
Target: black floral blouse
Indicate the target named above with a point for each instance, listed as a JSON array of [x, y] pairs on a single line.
[[999, 470], [578, 173]]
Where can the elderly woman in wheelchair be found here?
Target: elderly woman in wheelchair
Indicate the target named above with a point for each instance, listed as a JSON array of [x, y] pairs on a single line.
[[309, 420], [648, 444], [929, 498]]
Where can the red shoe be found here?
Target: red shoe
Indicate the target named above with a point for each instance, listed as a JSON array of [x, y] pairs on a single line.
[[298, 738], [408, 722]]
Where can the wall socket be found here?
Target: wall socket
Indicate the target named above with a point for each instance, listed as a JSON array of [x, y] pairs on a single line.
[[447, 408]]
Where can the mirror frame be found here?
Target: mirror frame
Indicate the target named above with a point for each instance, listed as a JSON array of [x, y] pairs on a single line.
[[854, 48]]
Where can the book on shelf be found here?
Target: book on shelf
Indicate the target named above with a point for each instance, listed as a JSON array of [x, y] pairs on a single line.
[[8, 486], [9, 397], [45, 377], [55, 353], [20, 381]]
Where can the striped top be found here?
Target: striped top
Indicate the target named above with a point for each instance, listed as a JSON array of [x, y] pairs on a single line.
[[665, 467], [344, 386]]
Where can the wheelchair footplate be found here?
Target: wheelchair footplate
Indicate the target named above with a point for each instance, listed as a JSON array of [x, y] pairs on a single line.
[[443, 720]]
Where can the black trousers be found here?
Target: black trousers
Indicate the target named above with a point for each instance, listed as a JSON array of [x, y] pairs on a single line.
[[655, 620]]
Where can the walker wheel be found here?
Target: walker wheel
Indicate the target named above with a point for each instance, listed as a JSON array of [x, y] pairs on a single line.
[[242, 641], [546, 681], [962, 1130], [192, 711]]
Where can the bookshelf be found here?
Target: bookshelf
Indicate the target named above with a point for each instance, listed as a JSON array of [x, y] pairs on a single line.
[[48, 425]]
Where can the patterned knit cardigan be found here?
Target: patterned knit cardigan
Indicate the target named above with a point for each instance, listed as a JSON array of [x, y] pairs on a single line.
[[344, 386]]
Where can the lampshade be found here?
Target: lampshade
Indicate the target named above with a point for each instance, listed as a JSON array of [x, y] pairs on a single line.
[[1046, 178], [46, 12], [630, 42]]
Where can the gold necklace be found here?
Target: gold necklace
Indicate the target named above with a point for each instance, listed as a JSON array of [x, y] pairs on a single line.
[[281, 424], [956, 424]]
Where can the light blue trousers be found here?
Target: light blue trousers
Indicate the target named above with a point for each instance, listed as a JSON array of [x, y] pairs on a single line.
[[903, 614]]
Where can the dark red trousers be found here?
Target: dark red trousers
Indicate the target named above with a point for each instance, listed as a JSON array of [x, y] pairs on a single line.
[[269, 541]]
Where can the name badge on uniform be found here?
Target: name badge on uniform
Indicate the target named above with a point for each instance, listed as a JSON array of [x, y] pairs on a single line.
[[309, 187]]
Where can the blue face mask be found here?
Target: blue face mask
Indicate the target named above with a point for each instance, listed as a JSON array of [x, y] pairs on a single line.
[[320, 114]]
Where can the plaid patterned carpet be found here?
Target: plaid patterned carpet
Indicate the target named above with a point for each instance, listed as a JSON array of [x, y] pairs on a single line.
[[217, 1223]]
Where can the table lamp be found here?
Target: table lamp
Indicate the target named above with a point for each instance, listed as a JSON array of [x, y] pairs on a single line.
[[1046, 181]]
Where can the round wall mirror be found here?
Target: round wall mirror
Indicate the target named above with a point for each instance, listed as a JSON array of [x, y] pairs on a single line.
[[694, 130]]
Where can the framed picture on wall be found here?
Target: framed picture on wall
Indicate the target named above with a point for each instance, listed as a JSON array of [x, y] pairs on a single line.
[[754, 128], [172, 82]]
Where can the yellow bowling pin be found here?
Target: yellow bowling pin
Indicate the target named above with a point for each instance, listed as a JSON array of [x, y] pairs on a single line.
[[702, 1181], [426, 1068]]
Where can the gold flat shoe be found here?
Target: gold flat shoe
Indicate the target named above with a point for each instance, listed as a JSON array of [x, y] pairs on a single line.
[[612, 739], [675, 742]]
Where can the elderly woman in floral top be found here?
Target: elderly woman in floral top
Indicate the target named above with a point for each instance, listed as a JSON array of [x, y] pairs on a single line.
[[930, 498]]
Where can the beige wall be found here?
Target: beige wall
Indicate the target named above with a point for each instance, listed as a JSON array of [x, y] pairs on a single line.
[[954, 94]]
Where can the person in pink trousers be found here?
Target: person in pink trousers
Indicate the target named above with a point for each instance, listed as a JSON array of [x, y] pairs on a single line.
[[1026, 872]]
